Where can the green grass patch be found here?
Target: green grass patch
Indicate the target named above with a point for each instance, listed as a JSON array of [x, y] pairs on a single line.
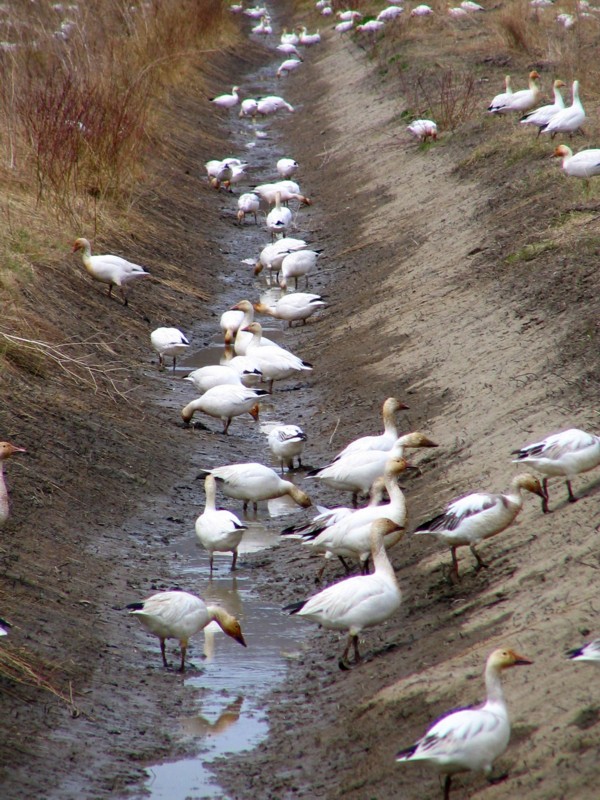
[[531, 251]]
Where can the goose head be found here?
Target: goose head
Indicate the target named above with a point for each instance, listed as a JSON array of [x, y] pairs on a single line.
[[530, 483], [562, 151], [81, 244], [7, 450], [504, 658]]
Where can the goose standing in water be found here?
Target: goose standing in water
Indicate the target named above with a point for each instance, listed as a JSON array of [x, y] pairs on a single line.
[[6, 451], [218, 530], [472, 738], [358, 602], [478, 516], [168, 342], [254, 482], [114, 270], [565, 454], [225, 402], [179, 615]]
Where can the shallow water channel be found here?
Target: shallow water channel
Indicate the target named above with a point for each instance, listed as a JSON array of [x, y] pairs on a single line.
[[231, 714]]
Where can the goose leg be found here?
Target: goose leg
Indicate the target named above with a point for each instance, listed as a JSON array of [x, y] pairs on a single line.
[[454, 570], [480, 562], [545, 508], [211, 562], [355, 499], [183, 652], [163, 653], [234, 560], [357, 655], [447, 783], [343, 662], [227, 424], [345, 565], [572, 498]]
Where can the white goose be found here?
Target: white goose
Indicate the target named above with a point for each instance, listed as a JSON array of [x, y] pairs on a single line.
[[179, 615], [242, 337], [279, 219], [248, 203], [587, 652], [423, 129], [289, 50], [286, 189], [225, 402], [542, 116], [6, 451], [297, 265], [271, 105], [248, 369], [356, 472], [472, 738], [204, 378], [287, 66], [469, 520], [168, 342], [308, 39], [227, 100], [522, 100], [275, 363], [249, 108], [349, 537], [293, 307], [501, 99], [254, 482], [358, 602], [584, 164], [218, 530], [566, 453], [4, 627], [570, 119], [272, 255], [230, 322], [114, 270], [286, 167], [385, 440], [286, 442]]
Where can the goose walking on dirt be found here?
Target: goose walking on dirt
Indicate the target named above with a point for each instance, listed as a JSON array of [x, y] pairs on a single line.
[[469, 520], [570, 119], [293, 307], [168, 342], [114, 270], [587, 652], [225, 402], [423, 129], [179, 615], [542, 116], [565, 454], [218, 530], [6, 451], [254, 482], [584, 165], [472, 738], [358, 602], [286, 442], [385, 440]]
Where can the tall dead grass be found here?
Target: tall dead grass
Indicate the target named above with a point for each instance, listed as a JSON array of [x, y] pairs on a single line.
[[80, 88]]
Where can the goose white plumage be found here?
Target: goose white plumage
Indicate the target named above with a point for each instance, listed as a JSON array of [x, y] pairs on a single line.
[[272, 255], [225, 402], [6, 451], [114, 270], [472, 738], [371, 26], [4, 627], [287, 66], [358, 602], [242, 336], [293, 307], [587, 652], [469, 520], [272, 104], [501, 99], [289, 37], [168, 342], [218, 530], [570, 119], [349, 537], [289, 50], [385, 440], [422, 10], [423, 129], [227, 100], [286, 442], [522, 100], [179, 615], [248, 108], [254, 482], [204, 378], [275, 363], [391, 12], [286, 167], [356, 472], [565, 454], [308, 39], [584, 164], [279, 219], [286, 189], [542, 116], [248, 203], [230, 322], [298, 264], [246, 367]]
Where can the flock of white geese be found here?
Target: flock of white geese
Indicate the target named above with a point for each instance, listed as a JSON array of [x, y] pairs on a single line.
[[469, 739]]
